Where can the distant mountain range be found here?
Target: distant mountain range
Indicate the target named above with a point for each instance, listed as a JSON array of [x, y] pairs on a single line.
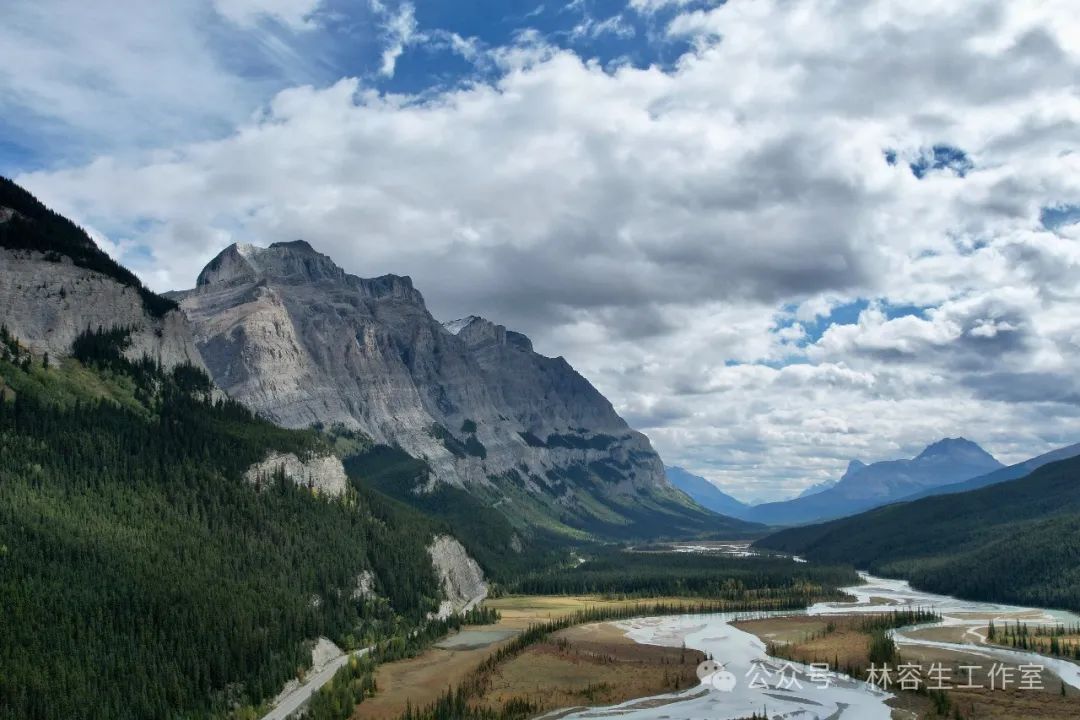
[[862, 487], [1012, 472], [706, 494], [1013, 540], [826, 484]]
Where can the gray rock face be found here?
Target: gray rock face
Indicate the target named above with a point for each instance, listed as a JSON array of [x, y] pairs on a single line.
[[325, 474], [290, 334], [461, 577], [47, 304]]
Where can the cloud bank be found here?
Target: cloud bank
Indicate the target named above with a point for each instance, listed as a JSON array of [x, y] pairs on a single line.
[[694, 237]]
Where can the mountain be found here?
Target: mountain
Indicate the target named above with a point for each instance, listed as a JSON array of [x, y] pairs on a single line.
[[706, 494], [55, 283], [165, 550], [853, 467], [287, 332], [1004, 474], [1017, 541], [862, 487]]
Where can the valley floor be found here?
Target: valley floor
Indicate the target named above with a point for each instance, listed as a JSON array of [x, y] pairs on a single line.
[[840, 641], [588, 664], [597, 664]]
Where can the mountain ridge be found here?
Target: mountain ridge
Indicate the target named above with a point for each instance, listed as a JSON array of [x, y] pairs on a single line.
[[1016, 541], [57, 283], [289, 333], [865, 486], [706, 493]]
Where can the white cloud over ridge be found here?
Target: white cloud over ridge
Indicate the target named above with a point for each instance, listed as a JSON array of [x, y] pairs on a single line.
[[666, 230]]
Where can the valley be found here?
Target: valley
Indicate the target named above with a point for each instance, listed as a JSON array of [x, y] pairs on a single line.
[[291, 492]]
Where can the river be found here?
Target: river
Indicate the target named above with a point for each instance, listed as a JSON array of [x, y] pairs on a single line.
[[756, 682]]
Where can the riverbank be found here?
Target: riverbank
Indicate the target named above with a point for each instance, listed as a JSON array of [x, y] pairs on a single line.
[[418, 681], [629, 668], [842, 642], [587, 665]]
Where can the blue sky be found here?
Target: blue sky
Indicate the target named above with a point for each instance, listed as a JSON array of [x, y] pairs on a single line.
[[777, 234], [441, 44]]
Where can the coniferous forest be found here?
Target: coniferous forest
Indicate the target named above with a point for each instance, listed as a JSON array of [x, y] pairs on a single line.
[[1015, 542], [142, 577]]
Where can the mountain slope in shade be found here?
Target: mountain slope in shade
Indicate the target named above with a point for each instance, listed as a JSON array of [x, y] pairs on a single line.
[[863, 487], [1012, 472], [706, 494], [1016, 541], [287, 332]]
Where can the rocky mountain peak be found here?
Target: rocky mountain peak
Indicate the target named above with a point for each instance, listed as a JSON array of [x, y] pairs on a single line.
[[456, 326], [286, 331], [853, 467], [958, 448], [296, 262], [477, 333]]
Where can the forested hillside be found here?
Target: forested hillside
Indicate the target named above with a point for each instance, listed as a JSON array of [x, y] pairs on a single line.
[[615, 571], [538, 530], [1017, 541], [142, 577]]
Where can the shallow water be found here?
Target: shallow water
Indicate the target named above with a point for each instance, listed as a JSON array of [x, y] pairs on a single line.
[[755, 682]]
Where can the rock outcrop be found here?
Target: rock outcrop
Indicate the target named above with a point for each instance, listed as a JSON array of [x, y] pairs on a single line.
[[290, 334], [461, 577], [323, 474], [55, 283], [46, 303]]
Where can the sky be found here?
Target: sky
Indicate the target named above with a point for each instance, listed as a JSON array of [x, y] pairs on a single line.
[[777, 234]]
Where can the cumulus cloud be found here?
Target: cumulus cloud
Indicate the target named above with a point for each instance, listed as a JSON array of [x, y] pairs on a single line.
[[676, 232]]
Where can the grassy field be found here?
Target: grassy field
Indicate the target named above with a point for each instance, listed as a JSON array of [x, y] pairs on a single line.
[[419, 680], [591, 665]]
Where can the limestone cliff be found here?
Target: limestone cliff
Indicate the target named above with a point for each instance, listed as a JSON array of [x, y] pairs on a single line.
[[56, 283], [289, 333], [323, 474], [461, 577], [46, 303]]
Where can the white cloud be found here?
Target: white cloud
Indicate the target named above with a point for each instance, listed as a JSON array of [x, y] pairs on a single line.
[[399, 31], [296, 14], [78, 78], [652, 226], [652, 6], [615, 25]]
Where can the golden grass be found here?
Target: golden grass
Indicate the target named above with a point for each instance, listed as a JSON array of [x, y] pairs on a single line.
[[591, 665], [420, 680]]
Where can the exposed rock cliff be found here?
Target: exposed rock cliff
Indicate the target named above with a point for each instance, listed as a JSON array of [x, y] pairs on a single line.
[[47, 303], [323, 474], [289, 333], [55, 283], [462, 579]]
